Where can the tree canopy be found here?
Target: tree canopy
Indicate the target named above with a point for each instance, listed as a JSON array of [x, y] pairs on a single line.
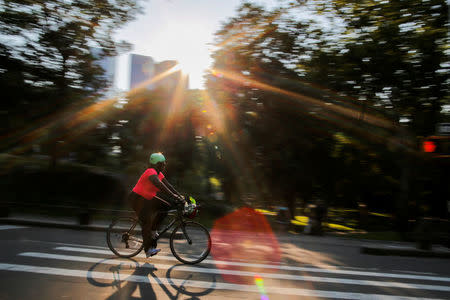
[[319, 95], [46, 57]]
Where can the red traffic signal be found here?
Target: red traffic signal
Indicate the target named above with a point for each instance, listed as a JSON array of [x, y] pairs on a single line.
[[429, 146], [437, 146]]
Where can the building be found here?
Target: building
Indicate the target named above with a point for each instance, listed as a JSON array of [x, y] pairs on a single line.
[[108, 64], [142, 70], [174, 76], [148, 74]]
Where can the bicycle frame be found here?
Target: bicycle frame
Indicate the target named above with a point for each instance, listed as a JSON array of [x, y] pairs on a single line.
[[177, 219]]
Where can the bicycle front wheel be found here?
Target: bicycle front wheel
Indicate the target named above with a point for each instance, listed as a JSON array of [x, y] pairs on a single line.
[[124, 237], [190, 242]]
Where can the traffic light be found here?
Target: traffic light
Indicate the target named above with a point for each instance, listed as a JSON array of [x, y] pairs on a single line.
[[437, 146], [429, 146]]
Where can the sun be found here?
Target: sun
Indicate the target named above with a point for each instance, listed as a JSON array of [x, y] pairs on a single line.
[[193, 64], [189, 44], [190, 48], [189, 62]]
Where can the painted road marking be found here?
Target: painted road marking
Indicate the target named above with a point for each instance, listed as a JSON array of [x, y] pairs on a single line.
[[243, 273], [7, 227], [284, 268], [73, 244], [198, 284]]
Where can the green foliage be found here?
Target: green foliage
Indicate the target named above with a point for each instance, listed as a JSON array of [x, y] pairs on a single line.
[[47, 63], [392, 55], [314, 92]]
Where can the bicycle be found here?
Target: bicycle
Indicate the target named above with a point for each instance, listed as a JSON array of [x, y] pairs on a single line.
[[190, 241]]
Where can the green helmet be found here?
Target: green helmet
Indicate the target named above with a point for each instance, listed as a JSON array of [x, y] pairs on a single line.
[[156, 158]]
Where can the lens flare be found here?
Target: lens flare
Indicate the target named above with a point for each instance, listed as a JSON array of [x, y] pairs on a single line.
[[77, 119], [260, 284], [244, 235]]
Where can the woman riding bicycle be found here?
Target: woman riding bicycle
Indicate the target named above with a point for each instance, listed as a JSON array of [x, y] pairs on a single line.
[[146, 201]]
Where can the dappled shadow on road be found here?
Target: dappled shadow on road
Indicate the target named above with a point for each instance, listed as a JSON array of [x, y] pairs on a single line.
[[128, 277], [294, 254]]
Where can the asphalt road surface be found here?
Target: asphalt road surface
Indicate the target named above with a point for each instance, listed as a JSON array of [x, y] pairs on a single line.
[[50, 263]]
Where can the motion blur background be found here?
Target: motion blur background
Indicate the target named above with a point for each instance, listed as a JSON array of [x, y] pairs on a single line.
[[343, 103]]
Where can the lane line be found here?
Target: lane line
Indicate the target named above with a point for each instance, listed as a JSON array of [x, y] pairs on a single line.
[[75, 245], [63, 244], [414, 272], [7, 227], [185, 268], [283, 263], [198, 284], [265, 266]]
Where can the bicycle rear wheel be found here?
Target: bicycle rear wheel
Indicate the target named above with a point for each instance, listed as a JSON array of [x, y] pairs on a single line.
[[124, 237], [190, 242]]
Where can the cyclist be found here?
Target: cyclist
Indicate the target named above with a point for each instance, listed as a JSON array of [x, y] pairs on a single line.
[[148, 204]]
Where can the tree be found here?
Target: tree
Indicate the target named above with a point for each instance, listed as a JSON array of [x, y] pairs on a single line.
[[153, 121], [297, 80], [263, 100], [46, 60], [390, 54], [393, 55]]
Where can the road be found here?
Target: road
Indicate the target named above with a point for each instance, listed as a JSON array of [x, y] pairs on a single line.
[[51, 263]]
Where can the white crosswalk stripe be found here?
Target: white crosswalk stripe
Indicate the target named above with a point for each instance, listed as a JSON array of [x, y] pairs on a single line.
[[390, 284], [201, 284], [251, 274], [8, 227], [284, 268]]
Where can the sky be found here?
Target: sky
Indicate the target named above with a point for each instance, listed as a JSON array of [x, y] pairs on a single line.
[[181, 30]]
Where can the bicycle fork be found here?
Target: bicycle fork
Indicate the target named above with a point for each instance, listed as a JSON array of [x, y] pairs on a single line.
[[183, 228]]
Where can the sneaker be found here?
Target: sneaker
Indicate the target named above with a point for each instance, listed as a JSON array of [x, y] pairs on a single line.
[[152, 252]]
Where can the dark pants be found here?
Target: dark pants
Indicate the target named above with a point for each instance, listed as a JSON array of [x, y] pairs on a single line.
[[150, 213]]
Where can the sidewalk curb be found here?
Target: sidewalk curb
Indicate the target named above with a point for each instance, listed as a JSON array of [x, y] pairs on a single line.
[[404, 252]]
